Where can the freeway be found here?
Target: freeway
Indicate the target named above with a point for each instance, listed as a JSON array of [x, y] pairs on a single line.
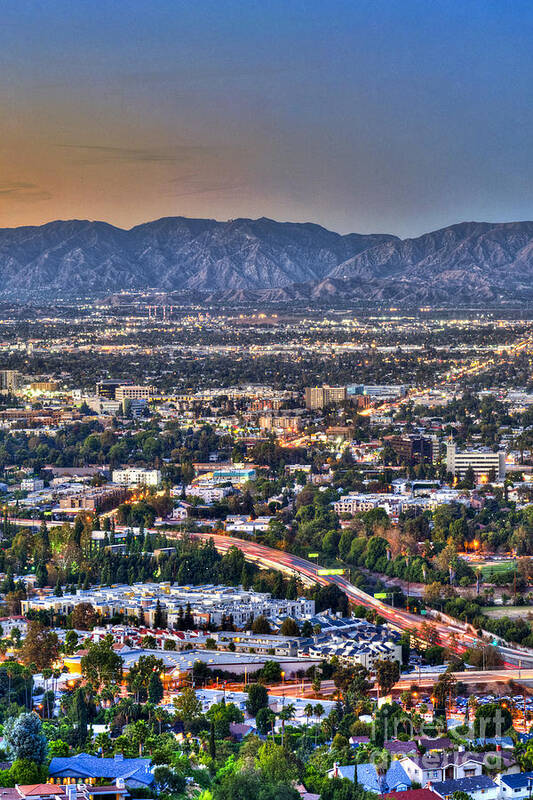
[[456, 636]]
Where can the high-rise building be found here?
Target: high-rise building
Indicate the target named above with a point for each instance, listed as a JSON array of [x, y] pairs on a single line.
[[317, 397], [483, 461], [9, 380], [414, 449]]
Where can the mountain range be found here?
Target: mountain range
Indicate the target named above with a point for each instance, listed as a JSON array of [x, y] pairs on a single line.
[[245, 260]]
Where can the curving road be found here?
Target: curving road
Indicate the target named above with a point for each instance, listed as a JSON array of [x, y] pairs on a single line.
[[454, 635]]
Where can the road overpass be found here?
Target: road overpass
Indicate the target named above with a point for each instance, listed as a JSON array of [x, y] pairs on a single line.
[[456, 636]]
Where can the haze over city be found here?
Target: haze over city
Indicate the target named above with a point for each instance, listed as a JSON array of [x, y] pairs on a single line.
[[266, 400]]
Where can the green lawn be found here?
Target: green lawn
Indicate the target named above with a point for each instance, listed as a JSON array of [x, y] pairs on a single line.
[[493, 567]]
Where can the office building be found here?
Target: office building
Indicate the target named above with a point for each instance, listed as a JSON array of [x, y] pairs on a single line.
[[483, 461], [131, 392], [414, 449], [107, 388]]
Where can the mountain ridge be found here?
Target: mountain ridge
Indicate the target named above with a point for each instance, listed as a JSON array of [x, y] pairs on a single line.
[[267, 260]]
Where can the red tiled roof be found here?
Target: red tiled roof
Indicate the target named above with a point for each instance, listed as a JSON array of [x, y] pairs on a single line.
[[40, 789], [413, 794]]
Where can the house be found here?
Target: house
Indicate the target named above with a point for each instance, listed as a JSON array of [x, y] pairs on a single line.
[[515, 786], [49, 791], [135, 772], [397, 748], [438, 767], [239, 730], [479, 787], [394, 780]]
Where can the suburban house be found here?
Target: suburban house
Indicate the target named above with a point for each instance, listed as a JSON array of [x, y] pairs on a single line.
[[395, 778], [50, 791], [84, 768], [436, 767], [478, 787], [516, 786]]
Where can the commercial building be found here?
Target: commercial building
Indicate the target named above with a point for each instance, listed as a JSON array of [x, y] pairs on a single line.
[[130, 392], [483, 461], [107, 388], [136, 476], [44, 386], [414, 449]]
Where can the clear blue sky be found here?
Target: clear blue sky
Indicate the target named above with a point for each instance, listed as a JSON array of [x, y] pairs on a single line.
[[362, 115]]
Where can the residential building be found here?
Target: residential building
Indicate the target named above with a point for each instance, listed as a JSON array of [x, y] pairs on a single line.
[[136, 476], [317, 397], [438, 766], [207, 603], [10, 380], [133, 772], [97, 499], [31, 484], [518, 786], [394, 780], [478, 787]]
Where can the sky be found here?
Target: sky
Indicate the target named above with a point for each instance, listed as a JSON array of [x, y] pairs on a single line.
[[397, 116]]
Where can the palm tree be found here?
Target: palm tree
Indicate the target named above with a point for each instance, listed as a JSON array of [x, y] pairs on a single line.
[[161, 716], [319, 712], [308, 711], [287, 713]]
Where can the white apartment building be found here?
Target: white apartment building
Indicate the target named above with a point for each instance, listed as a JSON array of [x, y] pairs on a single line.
[[31, 484], [392, 504], [136, 476], [208, 491], [482, 461], [208, 603]]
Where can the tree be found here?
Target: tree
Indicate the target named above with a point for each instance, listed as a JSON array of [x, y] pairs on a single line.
[[83, 617], [25, 738], [24, 772], [261, 625], [257, 698], [140, 674], [41, 646], [155, 688], [71, 642], [289, 627], [443, 690], [492, 719], [168, 781], [271, 672], [159, 616], [187, 706], [101, 665], [247, 784], [264, 719], [277, 764]]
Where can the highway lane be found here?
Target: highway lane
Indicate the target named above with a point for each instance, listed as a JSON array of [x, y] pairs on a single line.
[[456, 636]]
